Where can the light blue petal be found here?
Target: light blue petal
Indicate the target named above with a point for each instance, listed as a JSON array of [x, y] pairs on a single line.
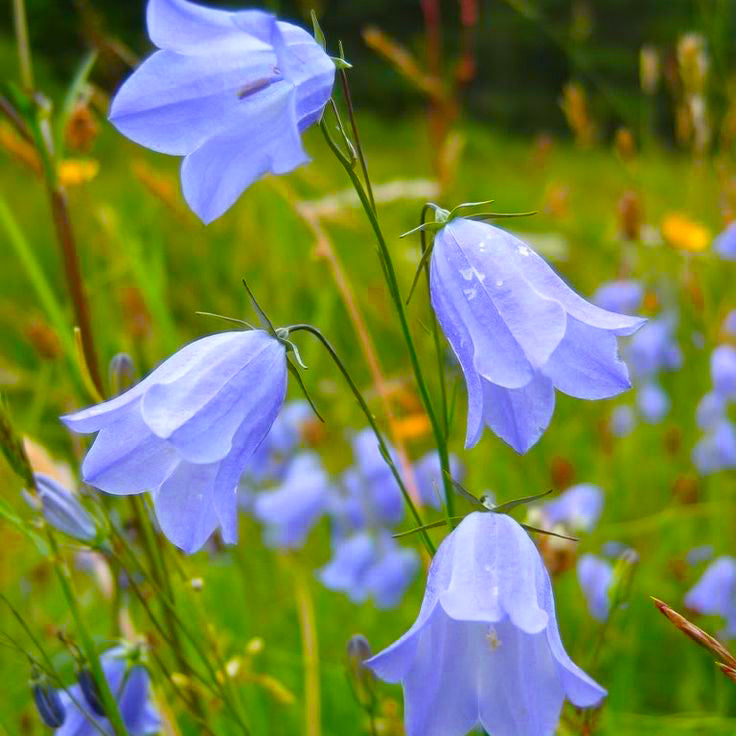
[[263, 138], [519, 416], [715, 591], [595, 575]]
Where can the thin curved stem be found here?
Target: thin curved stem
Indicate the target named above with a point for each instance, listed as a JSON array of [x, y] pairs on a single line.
[[371, 421]]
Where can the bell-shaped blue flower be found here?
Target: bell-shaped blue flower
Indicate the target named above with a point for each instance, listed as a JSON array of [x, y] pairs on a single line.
[[729, 323], [428, 476], [485, 649], [654, 349], [623, 420], [699, 554], [652, 402], [595, 576], [230, 91], [577, 509], [723, 372], [623, 296], [716, 450], [291, 510], [130, 688], [725, 244], [519, 332], [710, 411], [715, 592], [187, 431]]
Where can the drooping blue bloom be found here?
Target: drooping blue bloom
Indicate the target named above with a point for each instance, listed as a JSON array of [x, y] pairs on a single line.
[[729, 324], [130, 688], [623, 296], [49, 705], [723, 372], [578, 508], [230, 91], [725, 243], [613, 549], [370, 566], [187, 431], [292, 509], [485, 648], [654, 349], [652, 402], [623, 420], [63, 511], [699, 554], [716, 450], [519, 332], [594, 576], [428, 476], [711, 410], [715, 592]]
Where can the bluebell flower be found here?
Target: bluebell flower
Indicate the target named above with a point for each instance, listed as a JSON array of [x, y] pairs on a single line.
[[623, 296], [715, 592], [187, 431], [485, 648], [595, 576], [652, 402], [716, 450], [623, 420], [710, 411], [63, 511], [370, 566], [654, 349], [292, 509], [725, 243], [130, 688], [578, 508], [230, 91], [428, 476], [723, 372], [519, 332], [729, 324]]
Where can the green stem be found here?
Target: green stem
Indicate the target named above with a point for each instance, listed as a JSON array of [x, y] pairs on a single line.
[[393, 287], [110, 704], [24, 47], [371, 420]]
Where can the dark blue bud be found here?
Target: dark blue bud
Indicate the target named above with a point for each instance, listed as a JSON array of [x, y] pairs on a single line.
[[49, 705], [90, 691]]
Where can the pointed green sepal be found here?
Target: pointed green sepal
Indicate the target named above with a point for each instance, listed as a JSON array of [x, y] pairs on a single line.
[[549, 533], [234, 320], [264, 321], [298, 378], [425, 527], [500, 215], [319, 37], [423, 263], [468, 206], [504, 508], [461, 490]]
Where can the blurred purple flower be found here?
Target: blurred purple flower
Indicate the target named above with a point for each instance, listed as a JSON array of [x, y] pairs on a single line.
[[595, 575], [485, 648], [578, 508], [716, 450], [291, 510], [623, 420], [725, 243], [729, 324], [699, 554], [710, 411], [428, 476], [723, 372], [519, 332], [654, 349], [187, 431], [715, 592], [229, 91], [652, 402], [129, 686], [624, 297]]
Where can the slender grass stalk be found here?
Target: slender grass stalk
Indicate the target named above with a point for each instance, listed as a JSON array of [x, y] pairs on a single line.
[[24, 47]]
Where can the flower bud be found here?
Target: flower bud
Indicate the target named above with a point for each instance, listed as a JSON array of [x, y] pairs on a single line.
[[63, 511], [90, 691], [48, 704], [358, 650], [623, 576], [122, 373]]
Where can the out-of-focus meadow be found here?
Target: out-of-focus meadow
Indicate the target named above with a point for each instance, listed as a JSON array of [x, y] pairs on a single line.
[[637, 195]]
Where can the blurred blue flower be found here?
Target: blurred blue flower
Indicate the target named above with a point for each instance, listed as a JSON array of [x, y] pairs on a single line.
[[519, 332], [654, 349], [428, 476], [129, 686], [370, 565], [63, 511], [623, 296], [595, 575], [699, 554], [485, 648], [729, 324], [291, 510], [723, 372], [716, 450], [187, 431], [711, 409], [578, 508], [229, 91], [623, 420], [652, 402], [725, 243], [715, 592]]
